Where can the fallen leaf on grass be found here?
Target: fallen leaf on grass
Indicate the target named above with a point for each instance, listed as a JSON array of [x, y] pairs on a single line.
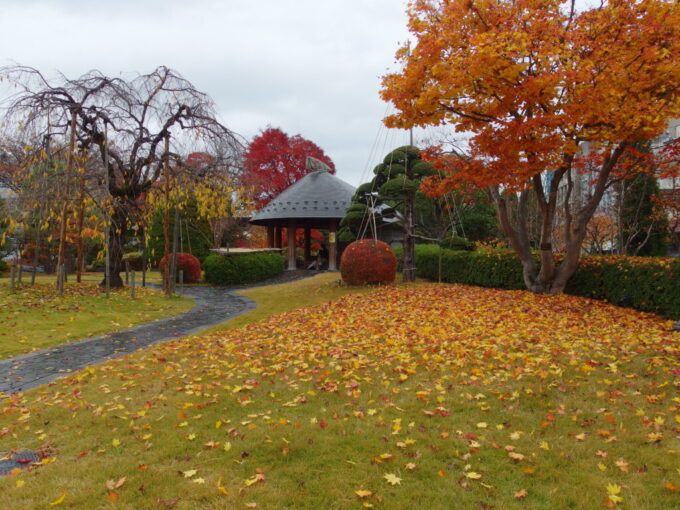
[[59, 500], [392, 479], [255, 479], [521, 494]]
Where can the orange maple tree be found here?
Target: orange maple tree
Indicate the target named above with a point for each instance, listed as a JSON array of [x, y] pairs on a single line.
[[532, 82]]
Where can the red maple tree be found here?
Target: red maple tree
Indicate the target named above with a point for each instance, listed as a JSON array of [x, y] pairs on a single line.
[[274, 160]]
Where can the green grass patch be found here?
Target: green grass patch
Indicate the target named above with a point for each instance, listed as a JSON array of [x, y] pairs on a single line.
[[463, 397], [34, 317]]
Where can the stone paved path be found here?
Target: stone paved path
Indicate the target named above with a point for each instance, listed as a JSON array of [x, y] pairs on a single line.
[[213, 306]]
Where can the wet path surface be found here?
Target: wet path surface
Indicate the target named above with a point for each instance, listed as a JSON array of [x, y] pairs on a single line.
[[213, 306]]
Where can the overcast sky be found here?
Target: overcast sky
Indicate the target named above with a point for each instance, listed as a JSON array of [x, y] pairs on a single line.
[[310, 67]]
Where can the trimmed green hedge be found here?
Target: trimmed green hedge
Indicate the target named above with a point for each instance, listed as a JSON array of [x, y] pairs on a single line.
[[242, 268], [644, 283]]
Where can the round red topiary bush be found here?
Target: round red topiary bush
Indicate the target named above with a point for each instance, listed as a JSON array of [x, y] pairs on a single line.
[[187, 263], [368, 261]]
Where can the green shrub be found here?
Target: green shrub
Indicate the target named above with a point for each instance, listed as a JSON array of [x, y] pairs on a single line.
[[242, 268], [646, 284]]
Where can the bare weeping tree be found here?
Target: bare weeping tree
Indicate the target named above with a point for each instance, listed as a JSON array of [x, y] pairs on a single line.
[[135, 126]]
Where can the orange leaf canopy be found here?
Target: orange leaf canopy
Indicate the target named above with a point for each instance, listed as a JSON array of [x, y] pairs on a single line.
[[532, 79]]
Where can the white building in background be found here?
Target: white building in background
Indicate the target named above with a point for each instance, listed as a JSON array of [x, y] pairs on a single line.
[[671, 133], [582, 186]]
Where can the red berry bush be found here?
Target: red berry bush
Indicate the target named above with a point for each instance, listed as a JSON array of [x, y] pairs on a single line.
[[368, 261], [187, 263]]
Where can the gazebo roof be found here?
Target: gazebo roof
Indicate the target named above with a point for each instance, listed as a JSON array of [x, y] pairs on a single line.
[[318, 195]]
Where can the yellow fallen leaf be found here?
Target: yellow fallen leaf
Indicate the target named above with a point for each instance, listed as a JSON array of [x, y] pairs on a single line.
[[472, 475], [221, 489], [257, 478], [20, 483], [59, 500], [189, 473], [392, 479], [363, 493]]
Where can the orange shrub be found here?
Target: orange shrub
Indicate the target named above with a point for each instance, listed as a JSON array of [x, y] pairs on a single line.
[[368, 261]]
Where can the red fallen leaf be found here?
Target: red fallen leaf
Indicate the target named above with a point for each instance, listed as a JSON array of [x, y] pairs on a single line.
[[24, 461], [323, 424], [113, 496]]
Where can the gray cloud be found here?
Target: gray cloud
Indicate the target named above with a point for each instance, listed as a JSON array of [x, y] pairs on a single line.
[[309, 67]]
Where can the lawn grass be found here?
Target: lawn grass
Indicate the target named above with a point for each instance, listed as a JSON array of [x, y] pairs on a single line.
[[276, 299], [463, 397], [34, 317]]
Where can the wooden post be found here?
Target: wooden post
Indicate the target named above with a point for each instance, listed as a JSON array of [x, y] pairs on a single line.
[[12, 276], [20, 272], [291, 245], [36, 254], [166, 220], [333, 246], [308, 243], [61, 273], [132, 284], [61, 256], [107, 234], [278, 237], [270, 236], [173, 259]]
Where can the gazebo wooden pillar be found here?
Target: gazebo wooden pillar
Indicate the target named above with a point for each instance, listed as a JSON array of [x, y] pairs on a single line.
[[332, 245], [291, 245], [270, 236], [278, 237], [308, 245]]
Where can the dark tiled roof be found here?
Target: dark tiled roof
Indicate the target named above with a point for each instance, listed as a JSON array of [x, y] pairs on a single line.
[[316, 195]]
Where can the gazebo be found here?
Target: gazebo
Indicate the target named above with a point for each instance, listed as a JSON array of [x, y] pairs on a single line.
[[319, 200]]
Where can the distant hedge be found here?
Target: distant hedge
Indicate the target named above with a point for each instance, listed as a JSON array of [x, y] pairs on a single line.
[[648, 284], [242, 268]]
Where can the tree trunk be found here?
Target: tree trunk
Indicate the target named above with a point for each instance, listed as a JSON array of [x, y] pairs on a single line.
[[117, 233], [409, 260]]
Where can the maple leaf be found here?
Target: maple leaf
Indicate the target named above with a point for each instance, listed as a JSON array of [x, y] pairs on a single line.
[[189, 473], [392, 479], [112, 485], [613, 491], [361, 493], [521, 494], [622, 465]]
